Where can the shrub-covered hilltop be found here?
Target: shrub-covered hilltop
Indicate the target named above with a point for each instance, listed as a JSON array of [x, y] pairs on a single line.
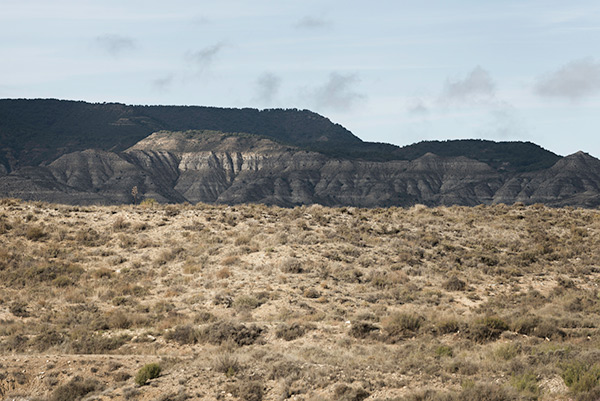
[[38, 131], [262, 303]]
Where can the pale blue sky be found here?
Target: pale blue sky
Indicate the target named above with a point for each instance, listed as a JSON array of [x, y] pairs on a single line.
[[390, 71]]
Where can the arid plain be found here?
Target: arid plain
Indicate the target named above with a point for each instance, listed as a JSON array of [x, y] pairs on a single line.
[[312, 303]]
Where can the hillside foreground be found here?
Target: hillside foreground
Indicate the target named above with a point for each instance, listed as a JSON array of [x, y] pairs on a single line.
[[312, 303]]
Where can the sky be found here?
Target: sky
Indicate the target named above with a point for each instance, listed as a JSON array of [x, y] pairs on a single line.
[[390, 71]]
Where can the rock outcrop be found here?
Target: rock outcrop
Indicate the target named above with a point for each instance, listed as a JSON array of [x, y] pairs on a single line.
[[218, 168]]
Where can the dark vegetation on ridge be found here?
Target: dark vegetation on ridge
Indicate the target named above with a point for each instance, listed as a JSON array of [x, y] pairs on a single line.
[[34, 132]]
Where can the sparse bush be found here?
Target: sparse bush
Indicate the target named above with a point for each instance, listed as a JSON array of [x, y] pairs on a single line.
[[148, 203], [291, 265], [75, 390], [401, 325], [221, 332], [581, 377], [487, 392], [507, 351], [246, 302], [454, 284], [19, 309], [548, 329], [526, 324], [444, 351], [526, 384], [290, 332], [311, 293], [228, 364], [183, 335], [343, 392], [285, 370], [446, 326], [486, 329], [362, 329], [248, 390], [47, 338], [84, 342], [35, 233], [224, 273], [121, 376], [147, 372], [120, 223]]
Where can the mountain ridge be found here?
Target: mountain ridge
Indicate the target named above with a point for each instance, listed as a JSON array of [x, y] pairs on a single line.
[[39, 131], [102, 164]]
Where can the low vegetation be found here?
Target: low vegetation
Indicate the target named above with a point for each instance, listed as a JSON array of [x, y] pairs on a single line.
[[253, 302]]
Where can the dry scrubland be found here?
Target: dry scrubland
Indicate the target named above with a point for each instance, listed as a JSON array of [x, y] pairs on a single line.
[[312, 303]]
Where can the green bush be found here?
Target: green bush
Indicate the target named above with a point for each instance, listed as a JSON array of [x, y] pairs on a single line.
[[508, 351], [444, 350], [147, 372], [580, 377], [526, 383]]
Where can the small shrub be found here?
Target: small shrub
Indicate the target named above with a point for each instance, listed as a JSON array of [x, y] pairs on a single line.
[[221, 332], [183, 335], [246, 302], [362, 329], [447, 326], [290, 332], [121, 376], [227, 364], [62, 281], [19, 309], [84, 342], [402, 324], [343, 392], [224, 273], [291, 265], [312, 293], [526, 324], [487, 392], [444, 351], [148, 203], [526, 383], [75, 390], [486, 329], [454, 284], [549, 329], [147, 372], [120, 223], [581, 377], [248, 390], [35, 233], [285, 370], [508, 351]]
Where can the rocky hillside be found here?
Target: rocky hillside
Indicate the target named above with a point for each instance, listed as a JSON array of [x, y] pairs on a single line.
[[213, 167]]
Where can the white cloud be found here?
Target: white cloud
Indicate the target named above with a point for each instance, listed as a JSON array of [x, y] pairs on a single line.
[[309, 22], [338, 92], [575, 80], [268, 85], [417, 106], [202, 59], [164, 83], [116, 45], [477, 86]]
